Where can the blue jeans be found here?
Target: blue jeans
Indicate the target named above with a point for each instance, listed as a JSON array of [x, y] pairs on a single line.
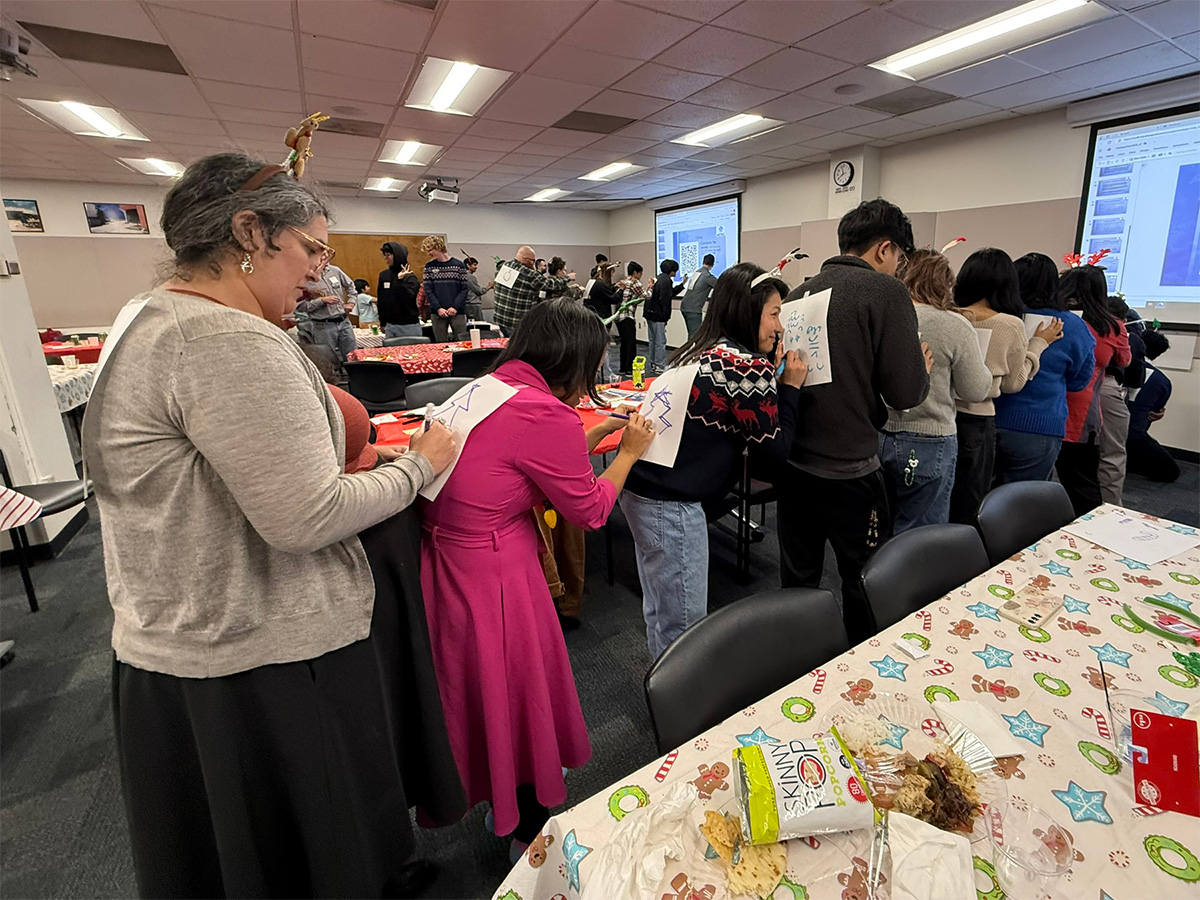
[[1023, 456], [671, 544], [337, 335], [919, 469], [656, 358], [402, 330]]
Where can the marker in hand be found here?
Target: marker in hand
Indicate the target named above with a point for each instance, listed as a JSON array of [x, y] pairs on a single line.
[[613, 415], [428, 416]]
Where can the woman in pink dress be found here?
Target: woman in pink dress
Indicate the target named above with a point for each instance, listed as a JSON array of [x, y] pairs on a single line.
[[507, 689]]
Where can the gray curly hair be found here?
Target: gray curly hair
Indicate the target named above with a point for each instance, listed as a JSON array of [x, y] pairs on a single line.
[[197, 217]]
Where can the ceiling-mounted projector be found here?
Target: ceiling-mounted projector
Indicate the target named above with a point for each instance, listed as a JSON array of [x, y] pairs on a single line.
[[443, 191], [13, 49]]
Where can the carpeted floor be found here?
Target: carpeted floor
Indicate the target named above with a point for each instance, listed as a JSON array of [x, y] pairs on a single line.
[[62, 826]]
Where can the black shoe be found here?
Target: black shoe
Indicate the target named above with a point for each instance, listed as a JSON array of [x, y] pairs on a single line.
[[413, 878], [568, 623]]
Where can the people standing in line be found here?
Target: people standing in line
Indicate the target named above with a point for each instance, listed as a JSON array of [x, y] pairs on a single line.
[[734, 403], [323, 316], [258, 752], [474, 291], [989, 295], [396, 295], [918, 447], [1030, 423], [558, 268], [365, 308], [541, 266], [445, 282], [876, 358], [512, 710], [1148, 404], [1084, 288], [657, 311], [519, 287], [700, 285], [601, 294], [600, 260], [1114, 412], [632, 293]]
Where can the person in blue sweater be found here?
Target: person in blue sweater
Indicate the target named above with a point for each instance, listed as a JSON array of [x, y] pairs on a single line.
[[445, 283], [1147, 457], [1031, 423]]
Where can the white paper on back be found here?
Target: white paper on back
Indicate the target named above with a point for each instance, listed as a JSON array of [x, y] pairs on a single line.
[[587, 288], [984, 336], [666, 408], [1134, 537], [692, 279], [1033, 323], [472, 404], [1180, 354], [805, 331], [507, 276]]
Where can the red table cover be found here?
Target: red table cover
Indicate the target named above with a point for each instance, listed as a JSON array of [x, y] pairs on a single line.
[[422, 359]]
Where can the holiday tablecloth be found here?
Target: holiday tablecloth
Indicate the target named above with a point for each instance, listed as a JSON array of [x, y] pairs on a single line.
[[72, 384], [365, 338], [423, 359], [1045, 682]]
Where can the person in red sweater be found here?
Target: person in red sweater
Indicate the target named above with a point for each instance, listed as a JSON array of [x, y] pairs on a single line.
[[1085, 290]]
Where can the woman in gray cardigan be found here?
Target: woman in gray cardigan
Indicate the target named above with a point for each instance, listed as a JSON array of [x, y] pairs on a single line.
[[254, 729]]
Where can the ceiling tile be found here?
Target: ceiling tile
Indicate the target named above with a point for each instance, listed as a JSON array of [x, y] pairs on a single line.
[[667, 150], [948, 16], [350, 88], [1190, 70], [1083, 45], [349, 109], [1171, 19], [1130, 64], [250, 54], [717, 51], [282, 118], [855, 86], [868, 37], [836, 141], [503, 34], [427, 119], [397, 26], [158, 122], [530, 159], [733, 96], [1189, 43], [565, 137], [653, 80], [505, 131], [119, 18], [622, 146], [620, 103], [1035, 90], [847, 118], [945, 113], [688, 115], [650, 130], [788, 22], [886, 128], [495, 145], [277, 15], [638, 32], [469, 155], [998, 72], [535, 100], [792, 107], [137, 89], [244, 130], [585, 66], [791, 69], [359, 60]]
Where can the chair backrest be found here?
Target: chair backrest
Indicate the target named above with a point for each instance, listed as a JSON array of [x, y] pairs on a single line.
[[376, 381], [762, 643], [917, 567], [436, 391], [1013, 516], [404, 340], [473, 363]]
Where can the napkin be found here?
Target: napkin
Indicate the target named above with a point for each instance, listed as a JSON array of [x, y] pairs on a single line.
[[985, 723], [928, 863]]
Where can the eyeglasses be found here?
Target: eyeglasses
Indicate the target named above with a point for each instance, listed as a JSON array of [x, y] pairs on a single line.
[[327, 252]]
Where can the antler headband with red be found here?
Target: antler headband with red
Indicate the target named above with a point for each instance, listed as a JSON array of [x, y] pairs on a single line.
[[1075, 260]]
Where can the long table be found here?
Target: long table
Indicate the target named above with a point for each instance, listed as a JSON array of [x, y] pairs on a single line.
[[1045, 682], [422, 359], [84, 353]]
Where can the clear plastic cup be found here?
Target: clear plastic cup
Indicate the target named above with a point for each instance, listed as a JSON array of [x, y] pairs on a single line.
[[1030, 851], [71, 362]]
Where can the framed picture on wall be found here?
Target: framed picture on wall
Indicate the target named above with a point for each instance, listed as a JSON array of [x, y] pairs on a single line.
[[116, 218], [23, 215]]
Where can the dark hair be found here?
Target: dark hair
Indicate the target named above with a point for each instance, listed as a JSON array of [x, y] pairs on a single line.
[[734, 313], [600, 257], [1037, 280], [1117, 306], [709, 260], [633, 267], [361, 284], [1085, 288], [197, 216], [537, 262], [565, 341], [873, 221], [557, 264], [989, 274], [1156, 343], [470, 261], [669, 267]]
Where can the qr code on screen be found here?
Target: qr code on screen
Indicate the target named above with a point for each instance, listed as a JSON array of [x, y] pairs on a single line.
[[689, 257]]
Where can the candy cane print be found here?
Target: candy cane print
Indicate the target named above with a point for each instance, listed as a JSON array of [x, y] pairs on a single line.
[[1101, 724], [1071, 543], [811, 841], [926, 620], [1008, 579], [661, 774], [944, 668], [820, 685], [1035, 655], [932, 727], [1147, 810]]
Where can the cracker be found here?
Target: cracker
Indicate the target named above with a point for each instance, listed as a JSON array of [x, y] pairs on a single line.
[[759, 867]]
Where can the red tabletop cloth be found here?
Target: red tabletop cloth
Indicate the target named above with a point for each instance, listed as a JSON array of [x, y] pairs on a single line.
[[85, 353], [422, 359]]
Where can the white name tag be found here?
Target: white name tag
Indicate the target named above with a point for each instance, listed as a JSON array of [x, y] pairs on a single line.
[[387, 284], [507, 276]]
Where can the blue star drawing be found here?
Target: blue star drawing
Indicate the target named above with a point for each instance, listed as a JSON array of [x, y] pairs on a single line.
[[573, 852], [1179, 602], [1110, 654], [890, 668], [1133, 564], [1085, 806], [1023, 726], [994, 657], [1056, 568], [1166, 705], [1181, 529], [983, 611], [756, 737], [1032, 548], [663, 397], [1071, 605], [896, 733]]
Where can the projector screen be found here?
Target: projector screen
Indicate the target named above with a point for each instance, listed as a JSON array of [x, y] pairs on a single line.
[[1142, 204], [688, 233]]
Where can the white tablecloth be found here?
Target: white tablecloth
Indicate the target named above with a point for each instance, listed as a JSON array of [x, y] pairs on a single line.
[[365, 339], [72, 385]]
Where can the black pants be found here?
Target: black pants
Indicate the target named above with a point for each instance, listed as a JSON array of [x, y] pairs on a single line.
[[973, 471], [533, 814], [853, 515], [627, 330], [1150, 459], [1078, 469]]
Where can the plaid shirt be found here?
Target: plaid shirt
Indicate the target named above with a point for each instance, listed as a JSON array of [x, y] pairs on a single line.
[[631, 289], [529, 287]]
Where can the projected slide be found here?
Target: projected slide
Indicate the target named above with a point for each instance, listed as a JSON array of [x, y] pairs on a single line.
[[687, 235], [1143, 206]]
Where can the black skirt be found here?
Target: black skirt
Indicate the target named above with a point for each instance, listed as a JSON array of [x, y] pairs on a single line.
[[295, 779]]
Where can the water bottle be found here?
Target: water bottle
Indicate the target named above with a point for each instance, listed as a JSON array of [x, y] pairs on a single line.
[[639, 373]]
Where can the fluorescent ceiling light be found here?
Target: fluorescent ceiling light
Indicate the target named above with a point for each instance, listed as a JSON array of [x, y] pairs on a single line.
[[990, 29], [84, 120], [456, 80], [609, 172], [409, 153], [92, 117], [455, 87], [701, 137], [547, 194], [385, 184], [152, 166]]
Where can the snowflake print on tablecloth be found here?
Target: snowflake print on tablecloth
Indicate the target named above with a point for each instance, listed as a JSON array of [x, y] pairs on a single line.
[[1139, 648], [842, 667], [701, 744], [1174, 601], [1106, 652], [951, 650], [1134, 565], [994, 657], [1020, 802], [1056, 568], [1071, 605], [1023, 726], [1119, 858], [1060, 714], [1046, 760], [1166, 705], [944, 610], [1133, 676], [982, 610], [1084, 805], [890, 668], [1181, 529], [902, 698], [873, 642], [1000, 633], [748, 711], [1071, 651]]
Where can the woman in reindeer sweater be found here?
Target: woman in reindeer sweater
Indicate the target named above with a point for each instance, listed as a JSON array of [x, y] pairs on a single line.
[[735, 401]]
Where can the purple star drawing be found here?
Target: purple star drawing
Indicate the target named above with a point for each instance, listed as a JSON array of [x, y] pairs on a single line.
[[663, 397], [463, 403]]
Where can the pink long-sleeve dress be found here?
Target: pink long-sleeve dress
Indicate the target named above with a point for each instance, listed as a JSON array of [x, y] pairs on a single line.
[[506, 684]]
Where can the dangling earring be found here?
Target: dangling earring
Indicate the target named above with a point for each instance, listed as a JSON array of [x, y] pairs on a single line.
[[247, 265]]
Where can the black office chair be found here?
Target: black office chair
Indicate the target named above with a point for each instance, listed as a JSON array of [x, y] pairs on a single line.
[[404, 341], [379, 385], [1013, 516], [436, 391], [763, 643], [917, 567], [488, 333], [55, 497], [473, 363]]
